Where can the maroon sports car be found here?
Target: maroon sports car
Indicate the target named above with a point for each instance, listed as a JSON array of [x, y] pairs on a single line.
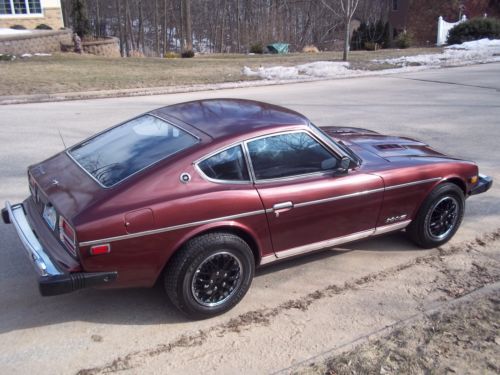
[[198, 194]]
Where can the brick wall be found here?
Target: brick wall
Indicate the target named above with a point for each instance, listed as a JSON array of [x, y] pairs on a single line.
[[51, 17], [39, 41]]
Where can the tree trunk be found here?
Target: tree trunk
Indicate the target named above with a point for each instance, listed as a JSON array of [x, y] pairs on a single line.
[[187, 25], [140, 34], [164, 30], [157, 39], [222, 27], [238, 25], [97, 19], [347, 36], [120, 27]]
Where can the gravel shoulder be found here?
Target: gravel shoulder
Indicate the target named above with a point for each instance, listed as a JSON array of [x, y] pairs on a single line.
[[461, 338], [283, 337]]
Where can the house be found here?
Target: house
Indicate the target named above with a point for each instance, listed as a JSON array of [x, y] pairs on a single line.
[[420, 17], [31, 13], [398, 16]]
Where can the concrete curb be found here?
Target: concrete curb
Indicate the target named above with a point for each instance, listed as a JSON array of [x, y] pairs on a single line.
[[102, 94], [343, 347]]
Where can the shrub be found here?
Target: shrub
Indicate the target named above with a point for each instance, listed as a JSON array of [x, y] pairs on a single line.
[[372, 46], [474, 29], [171, 55], [310, 49], [257, 48], [367, 36], [136, 53], [404, 40], [43, 26], [18, 27], [187, 54]]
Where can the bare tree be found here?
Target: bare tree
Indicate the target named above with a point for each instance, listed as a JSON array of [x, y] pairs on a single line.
[[346, 11], [188, 31]]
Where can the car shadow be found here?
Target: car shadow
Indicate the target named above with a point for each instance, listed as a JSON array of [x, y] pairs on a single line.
[[21, 307]]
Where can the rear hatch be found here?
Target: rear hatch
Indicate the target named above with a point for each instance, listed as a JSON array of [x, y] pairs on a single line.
[[60, 188]]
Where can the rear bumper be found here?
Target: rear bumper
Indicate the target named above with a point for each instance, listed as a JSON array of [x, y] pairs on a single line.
[[484, 184], [51, 279]]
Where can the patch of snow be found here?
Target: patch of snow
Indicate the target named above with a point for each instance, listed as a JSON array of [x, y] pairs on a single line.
[[25, 55], [475, 52], [479, 51], [316, 69], [5, 31]]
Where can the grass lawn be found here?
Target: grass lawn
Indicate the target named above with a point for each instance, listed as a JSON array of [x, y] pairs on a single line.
[[72, 73]]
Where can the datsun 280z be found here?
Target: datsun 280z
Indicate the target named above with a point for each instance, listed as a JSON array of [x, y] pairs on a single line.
[[197, 195]]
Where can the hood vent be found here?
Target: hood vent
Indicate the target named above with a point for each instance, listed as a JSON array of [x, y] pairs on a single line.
[[390, 147]]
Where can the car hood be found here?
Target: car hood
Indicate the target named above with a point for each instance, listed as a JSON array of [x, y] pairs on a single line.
[[60, 181], [384, 146]]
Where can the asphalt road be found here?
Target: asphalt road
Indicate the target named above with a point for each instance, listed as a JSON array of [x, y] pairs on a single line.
[[456, 110]]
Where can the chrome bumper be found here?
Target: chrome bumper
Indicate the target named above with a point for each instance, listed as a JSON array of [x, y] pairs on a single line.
[[483, 185], [52, 280], [41, 261]]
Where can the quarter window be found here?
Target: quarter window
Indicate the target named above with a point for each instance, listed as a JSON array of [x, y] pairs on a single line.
[[227, 165], [288, 155]]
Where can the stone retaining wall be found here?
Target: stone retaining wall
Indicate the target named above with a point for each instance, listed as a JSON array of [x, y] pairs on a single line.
[[39, 41], [109, 47]]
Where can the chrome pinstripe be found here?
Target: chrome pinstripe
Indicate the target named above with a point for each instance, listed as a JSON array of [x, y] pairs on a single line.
[[334, 242], [338, 197], [258, 212], [413, 183], [172, 228]]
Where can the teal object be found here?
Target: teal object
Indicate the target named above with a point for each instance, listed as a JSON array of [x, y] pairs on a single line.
[[279, 48]]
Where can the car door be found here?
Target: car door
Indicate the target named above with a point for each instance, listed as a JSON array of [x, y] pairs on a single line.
[[307, 206]]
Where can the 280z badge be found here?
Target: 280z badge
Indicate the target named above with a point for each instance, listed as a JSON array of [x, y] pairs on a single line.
[[394, 219]]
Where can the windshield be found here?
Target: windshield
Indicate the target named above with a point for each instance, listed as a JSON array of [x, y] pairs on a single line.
[[119, 152]]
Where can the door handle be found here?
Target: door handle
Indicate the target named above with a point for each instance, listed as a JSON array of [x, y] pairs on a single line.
[[282, 207]]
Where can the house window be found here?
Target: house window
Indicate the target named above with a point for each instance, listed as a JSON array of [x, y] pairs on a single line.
[[14, 7], [395, 5]]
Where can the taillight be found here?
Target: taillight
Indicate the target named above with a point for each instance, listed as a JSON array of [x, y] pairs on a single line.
[[67, 234]]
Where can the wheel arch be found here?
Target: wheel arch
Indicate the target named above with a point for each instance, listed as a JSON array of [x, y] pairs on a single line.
[[457, 181], [242, 231]]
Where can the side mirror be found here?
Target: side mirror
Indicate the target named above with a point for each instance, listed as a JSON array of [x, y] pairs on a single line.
[[343, 165]]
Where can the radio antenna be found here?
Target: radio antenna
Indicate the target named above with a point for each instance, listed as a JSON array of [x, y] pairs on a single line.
[[62, 139]]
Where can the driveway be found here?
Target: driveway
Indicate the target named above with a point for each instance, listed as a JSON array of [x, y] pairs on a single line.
[[456, 110]]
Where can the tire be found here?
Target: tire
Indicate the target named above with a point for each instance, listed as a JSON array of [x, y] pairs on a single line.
[[439, 217], [209, 275]]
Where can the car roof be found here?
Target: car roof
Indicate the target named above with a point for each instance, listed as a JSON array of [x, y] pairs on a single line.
[[221, 118]]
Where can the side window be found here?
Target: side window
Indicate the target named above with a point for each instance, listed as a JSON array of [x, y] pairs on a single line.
[[227, 165], [287, 155]]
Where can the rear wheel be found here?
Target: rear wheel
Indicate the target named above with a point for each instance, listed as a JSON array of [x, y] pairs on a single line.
[[210, 274], [439, 216]]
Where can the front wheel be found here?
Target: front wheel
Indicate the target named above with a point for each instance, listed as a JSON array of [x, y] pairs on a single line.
[[439, 216], [210, 274]]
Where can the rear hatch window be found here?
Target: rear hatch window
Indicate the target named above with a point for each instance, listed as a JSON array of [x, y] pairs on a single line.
[[120, 152]]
